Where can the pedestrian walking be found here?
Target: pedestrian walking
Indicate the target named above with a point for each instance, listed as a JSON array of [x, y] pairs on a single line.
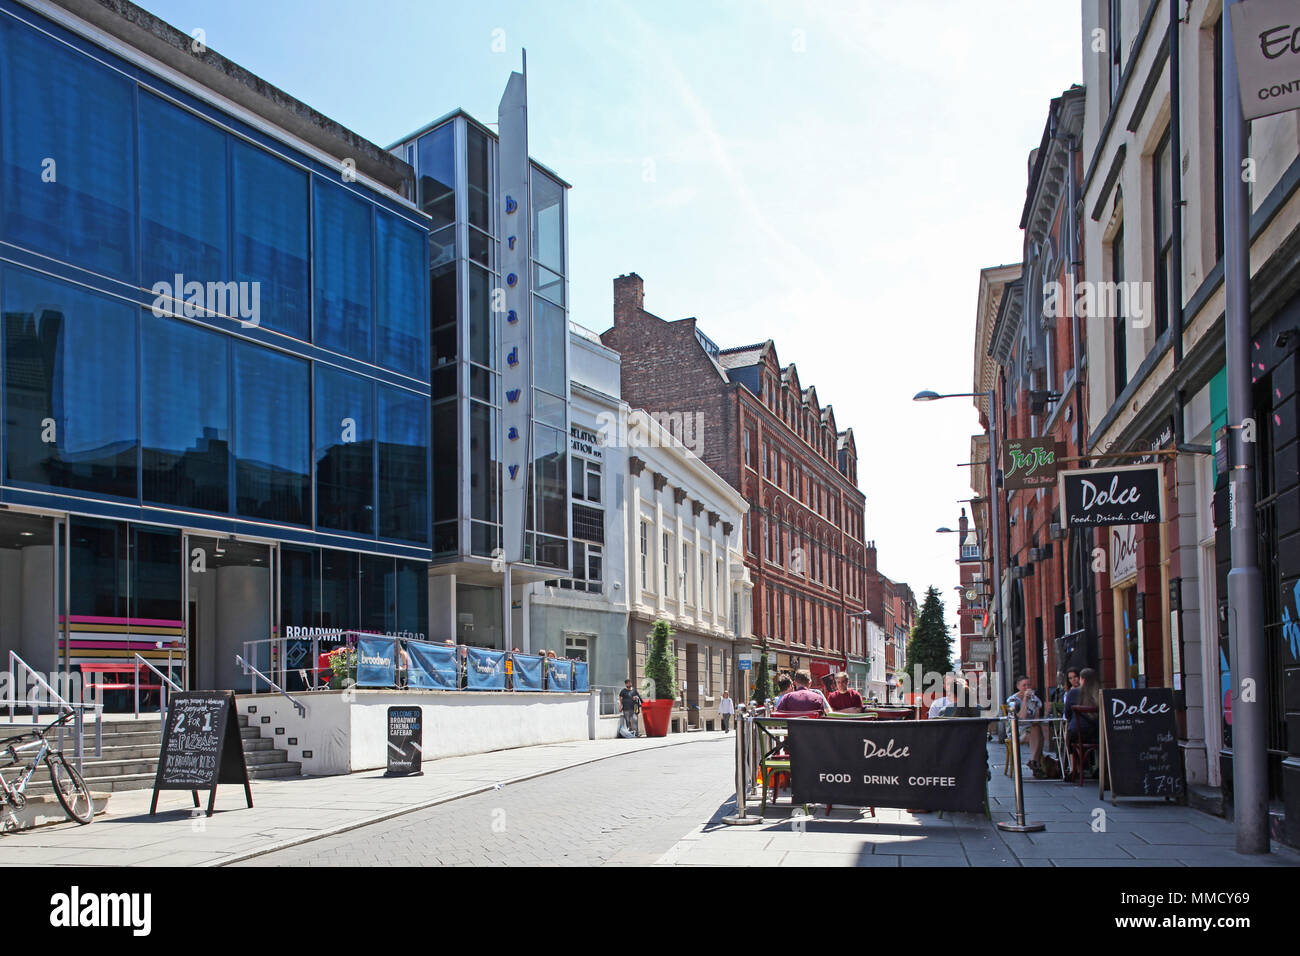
[[631, 703], [726, 707]]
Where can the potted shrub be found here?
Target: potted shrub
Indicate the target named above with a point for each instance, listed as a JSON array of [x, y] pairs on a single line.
[[659, 670]]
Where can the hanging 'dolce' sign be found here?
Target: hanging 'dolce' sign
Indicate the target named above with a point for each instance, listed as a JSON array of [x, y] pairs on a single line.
[[1128, 494]]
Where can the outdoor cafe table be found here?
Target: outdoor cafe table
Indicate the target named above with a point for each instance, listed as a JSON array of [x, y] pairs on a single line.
[[1056, 727]]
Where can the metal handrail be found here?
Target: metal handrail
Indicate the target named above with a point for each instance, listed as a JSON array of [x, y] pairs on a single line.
[[302, 710], [78, 711], [275, 653], [40, 682], [162, 693]]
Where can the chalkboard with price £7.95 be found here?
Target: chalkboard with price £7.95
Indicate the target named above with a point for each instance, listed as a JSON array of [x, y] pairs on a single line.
[[201, 747], [1139, 745]]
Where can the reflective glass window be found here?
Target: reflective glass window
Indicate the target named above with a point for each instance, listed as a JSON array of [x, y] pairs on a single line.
[[378, 585], [340, 600], [549, 341], [403, 469], [481, 327], [182, 228], [272, 435], [480, 183], [548, 235], [186, 437], [67, 152], [70, 381], [343, 265], [550, 482], [401, 319], [98, 568], [437, 160], [345, 452], [484, 467], [156, 573], [270, 212]]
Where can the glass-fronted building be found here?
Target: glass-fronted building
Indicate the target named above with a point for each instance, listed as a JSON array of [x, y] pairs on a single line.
[[456, 161], [241, 398]]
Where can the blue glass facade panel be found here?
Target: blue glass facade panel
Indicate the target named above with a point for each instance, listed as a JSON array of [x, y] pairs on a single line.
[[345, 452], [401, 312], [270, 211], [69, 386], [343, 251], [150, 412], [183, 228], [272, 435], [403, 465], [67, 136], [185, 452]]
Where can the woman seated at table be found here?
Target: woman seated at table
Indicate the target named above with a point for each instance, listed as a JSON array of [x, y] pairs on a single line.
[[1082, 727], [783, 685]]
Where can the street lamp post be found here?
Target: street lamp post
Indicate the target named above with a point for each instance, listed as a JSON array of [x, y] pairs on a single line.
[[995, 496]]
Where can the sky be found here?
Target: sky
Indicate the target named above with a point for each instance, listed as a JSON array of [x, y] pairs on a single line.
[[831, 176]]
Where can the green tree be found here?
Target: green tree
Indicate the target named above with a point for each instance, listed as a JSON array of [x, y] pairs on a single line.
[[659, 663], [762, 681], [929, 647]]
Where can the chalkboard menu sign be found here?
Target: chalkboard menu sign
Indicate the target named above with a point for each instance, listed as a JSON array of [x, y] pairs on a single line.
[[405, 739], [201, 746], [1139, 744]]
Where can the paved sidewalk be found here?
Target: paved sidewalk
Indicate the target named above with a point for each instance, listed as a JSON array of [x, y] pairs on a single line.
[[291, 811], [1131, 834]]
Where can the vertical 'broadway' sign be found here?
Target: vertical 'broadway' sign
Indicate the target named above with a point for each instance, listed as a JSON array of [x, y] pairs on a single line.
[[511, 305]]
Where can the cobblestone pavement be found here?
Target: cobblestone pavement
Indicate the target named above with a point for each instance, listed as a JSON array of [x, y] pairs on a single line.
[[627, 810]]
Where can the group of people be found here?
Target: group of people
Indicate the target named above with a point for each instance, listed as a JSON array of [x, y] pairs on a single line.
[[1081, 689], [796, 695]]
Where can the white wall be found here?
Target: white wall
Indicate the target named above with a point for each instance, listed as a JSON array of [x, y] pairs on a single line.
[[348, 731]]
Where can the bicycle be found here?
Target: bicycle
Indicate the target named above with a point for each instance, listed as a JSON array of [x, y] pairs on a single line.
[[69, 786]]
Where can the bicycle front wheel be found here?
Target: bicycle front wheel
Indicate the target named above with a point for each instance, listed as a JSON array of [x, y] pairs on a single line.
[[71, 789]]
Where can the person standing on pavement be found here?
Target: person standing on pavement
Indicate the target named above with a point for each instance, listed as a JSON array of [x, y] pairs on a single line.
[[726, 707], [631, 703]]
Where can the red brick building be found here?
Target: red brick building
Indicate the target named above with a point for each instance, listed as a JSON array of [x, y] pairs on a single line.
[[892, 605], [751, 420], [1035, 344]]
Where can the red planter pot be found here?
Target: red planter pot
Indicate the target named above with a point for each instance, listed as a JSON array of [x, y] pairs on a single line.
[[657, 715]]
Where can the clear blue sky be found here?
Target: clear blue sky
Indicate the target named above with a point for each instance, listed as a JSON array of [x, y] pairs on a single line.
[[829, 175]]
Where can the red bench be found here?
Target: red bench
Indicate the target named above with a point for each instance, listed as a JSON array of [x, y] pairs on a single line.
[[112, 677]]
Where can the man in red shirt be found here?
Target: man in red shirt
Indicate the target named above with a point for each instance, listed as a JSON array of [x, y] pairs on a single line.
[[803, 699], [844, 699]]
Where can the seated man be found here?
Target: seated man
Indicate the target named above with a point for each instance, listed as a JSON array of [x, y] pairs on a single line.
[[844, 699], [803, 699], [1026, 705]]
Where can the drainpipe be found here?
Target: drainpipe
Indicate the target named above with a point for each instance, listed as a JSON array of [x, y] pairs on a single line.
[[1176, 187]]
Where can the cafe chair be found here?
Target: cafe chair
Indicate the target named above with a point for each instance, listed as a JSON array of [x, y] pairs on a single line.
[[1079, 750], [775, 765]]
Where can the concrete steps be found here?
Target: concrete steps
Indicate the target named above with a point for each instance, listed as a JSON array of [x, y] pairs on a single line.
[[129, 758]]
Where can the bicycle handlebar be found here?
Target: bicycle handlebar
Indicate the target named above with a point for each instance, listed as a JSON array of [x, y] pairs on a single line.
[[38, 732]]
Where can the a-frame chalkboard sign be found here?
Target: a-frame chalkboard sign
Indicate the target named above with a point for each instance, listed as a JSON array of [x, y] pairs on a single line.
[[201, 746], [1139, 745]]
